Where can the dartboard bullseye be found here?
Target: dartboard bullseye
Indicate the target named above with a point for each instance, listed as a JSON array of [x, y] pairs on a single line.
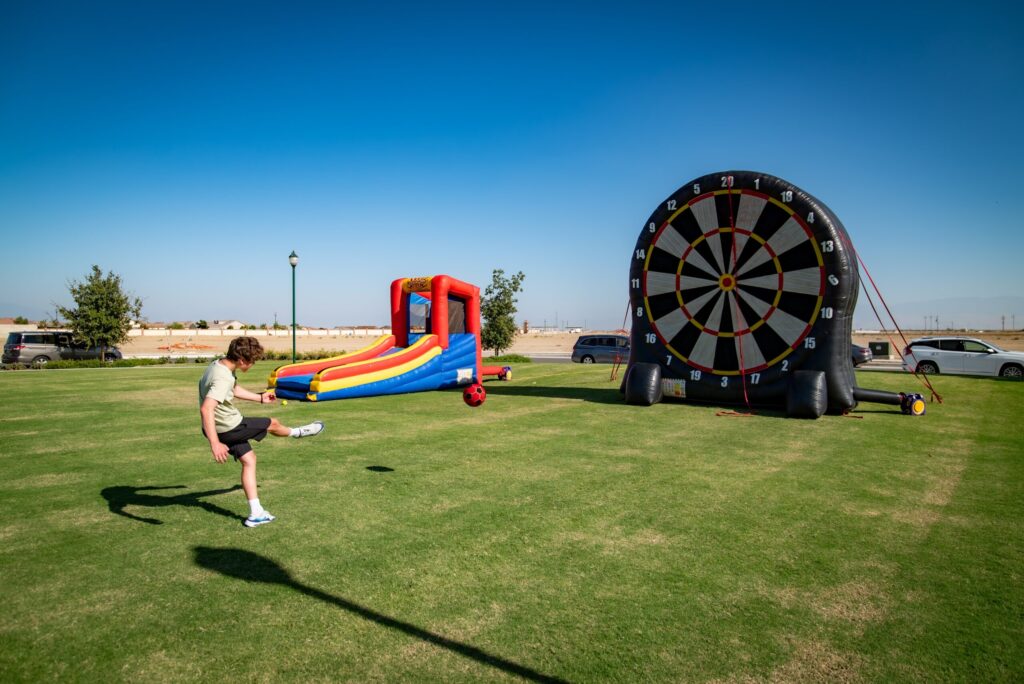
[[738, 280]]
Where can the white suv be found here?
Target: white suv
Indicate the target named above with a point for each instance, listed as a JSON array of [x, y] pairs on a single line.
[[962, 356]]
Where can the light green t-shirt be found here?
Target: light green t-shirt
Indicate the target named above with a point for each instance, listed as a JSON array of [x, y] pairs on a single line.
[[219, 383]]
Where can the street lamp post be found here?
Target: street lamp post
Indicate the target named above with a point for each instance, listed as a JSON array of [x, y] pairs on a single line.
[[293, 259]]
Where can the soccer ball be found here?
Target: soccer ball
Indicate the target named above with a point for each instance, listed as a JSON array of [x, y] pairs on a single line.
[[474, 395]]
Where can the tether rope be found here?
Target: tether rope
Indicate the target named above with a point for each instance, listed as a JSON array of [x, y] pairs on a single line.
[[618, 355], [736, 299], [921, 377]]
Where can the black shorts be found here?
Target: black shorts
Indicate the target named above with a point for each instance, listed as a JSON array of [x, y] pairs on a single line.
[[237, 438]]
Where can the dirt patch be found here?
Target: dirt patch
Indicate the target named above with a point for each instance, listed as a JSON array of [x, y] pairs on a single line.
[[816, 661], [856, 602], [613, 540], [217, 346], [942, 488]]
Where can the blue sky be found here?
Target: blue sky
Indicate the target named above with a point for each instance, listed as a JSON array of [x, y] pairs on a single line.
[[191, 146]]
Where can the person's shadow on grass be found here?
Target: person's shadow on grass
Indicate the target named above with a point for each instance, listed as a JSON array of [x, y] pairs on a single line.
[[252, 567], [121, 496]]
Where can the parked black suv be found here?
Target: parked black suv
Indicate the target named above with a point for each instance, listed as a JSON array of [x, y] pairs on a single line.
[[37, 347]]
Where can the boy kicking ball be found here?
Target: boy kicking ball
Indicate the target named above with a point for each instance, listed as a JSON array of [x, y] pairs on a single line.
[[229, 431]]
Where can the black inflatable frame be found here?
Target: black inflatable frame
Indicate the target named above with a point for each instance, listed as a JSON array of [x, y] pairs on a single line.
[[742, 290]]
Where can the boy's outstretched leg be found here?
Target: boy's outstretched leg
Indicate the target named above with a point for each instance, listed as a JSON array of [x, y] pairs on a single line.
[[308, 430]]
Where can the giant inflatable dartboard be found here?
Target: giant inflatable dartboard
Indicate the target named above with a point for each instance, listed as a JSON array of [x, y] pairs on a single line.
[[742, 289]]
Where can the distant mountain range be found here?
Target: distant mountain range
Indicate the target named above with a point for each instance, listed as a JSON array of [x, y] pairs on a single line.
[[975, 313]]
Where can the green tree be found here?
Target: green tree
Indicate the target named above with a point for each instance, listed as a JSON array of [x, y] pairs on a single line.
[[20, 320], [103, 312], [498, 309], [201, 324]]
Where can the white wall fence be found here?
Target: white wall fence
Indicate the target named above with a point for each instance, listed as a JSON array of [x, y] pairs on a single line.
[[193, 332], [301, 332]]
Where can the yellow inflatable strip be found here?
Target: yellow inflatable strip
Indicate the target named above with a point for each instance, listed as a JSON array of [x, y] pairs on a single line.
[[272, 380], [374, 376], [424, 341]]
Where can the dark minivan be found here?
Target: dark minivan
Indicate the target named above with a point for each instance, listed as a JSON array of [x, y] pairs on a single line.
[[37, 347], [601, 349]]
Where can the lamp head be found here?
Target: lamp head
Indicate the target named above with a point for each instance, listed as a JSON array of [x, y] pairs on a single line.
[[293, 259]]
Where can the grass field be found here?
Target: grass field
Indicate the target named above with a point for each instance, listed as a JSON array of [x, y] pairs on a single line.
[[554, 534]]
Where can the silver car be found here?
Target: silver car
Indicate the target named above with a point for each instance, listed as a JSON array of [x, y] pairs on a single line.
[[601, 349], [962, 356], [38, 347]]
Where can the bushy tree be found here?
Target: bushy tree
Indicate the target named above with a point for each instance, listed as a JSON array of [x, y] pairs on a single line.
[[20, 320], [498, 308], [201, 324], [103, 312]]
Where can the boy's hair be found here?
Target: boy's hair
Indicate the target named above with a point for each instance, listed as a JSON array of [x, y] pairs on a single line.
[[246, 349]]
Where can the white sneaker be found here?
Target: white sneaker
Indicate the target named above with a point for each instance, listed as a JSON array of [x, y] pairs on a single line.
[[262, 519], [314, 428]]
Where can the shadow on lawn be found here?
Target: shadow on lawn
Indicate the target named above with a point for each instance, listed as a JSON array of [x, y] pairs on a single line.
[[251, 567], [597, 396], [121, 496], [613, 396]]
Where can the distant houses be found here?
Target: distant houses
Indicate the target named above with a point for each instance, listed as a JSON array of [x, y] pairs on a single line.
[[226, 325]]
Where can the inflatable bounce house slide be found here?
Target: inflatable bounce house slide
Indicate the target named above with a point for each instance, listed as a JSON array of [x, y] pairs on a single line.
[[435, 344]]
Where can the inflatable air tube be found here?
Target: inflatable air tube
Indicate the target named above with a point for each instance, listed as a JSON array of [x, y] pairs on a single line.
[[808, 394], [643, 384]]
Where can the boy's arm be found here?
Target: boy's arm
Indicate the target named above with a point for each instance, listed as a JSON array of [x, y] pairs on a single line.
[[220, 451], [261, 398]]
